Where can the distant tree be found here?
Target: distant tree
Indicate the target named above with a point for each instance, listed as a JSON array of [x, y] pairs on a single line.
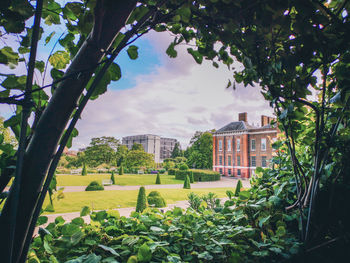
[[121, 154], [187, 184], [137, 158], [137, 147], [200, 152], [183, 167], [177, 152], [121, 170], [158, 179], [84, 171], [112, 178], [168, 165], [101, 150], [141, 200]]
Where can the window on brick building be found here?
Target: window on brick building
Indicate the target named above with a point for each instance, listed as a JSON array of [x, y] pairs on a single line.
[[220, 160], [238, 160], [252, 144], [263, 144], [229, 160], [238, 172], [263, 161], [253, 164], [220, 145], [238, 145], [229, 171], [228, 145], [220, 170]]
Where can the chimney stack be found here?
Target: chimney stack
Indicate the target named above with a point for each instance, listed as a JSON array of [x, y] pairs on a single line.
[[242, 116], [266, 120]]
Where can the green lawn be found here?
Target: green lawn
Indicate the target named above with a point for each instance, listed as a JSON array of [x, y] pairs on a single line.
[[125, 179], [100, 200]]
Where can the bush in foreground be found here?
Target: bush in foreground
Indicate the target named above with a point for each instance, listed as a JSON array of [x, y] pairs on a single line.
[[94, 186], [141, 200], [154, 198]]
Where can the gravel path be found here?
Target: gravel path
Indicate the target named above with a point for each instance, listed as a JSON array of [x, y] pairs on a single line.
[[224, 182]]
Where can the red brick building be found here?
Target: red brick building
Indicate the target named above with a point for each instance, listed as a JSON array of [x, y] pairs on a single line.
[[238, 147]]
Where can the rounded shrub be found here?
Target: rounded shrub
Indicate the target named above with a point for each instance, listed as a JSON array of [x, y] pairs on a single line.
[[141, 200], [112, 178], [158, 179], [187, 184], [94, 186], [183, 167], [154, 198]]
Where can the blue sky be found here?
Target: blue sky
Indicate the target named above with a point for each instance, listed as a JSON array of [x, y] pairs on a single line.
[[159, 95]]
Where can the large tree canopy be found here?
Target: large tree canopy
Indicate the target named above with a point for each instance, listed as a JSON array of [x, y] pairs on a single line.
[[289, 48]]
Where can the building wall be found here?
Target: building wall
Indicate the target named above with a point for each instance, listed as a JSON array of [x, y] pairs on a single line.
[[241, 165], [166, 147]]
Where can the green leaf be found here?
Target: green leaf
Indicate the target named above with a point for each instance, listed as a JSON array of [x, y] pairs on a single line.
[[171, 52], [244, 195], [8, 56], [40, 65], [198, 57], [85, 211], [281, 231], [60, 59], [69, 229], [264, 220], [109, 249], [144, 253], [47, 247], [42, 220], [78, 221], [92, 258], [49, 37], [115, 72], [132, 52], [132, 259], [177, 211]]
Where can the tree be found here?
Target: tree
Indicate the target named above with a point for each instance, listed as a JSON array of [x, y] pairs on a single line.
[[121, 154], [200, 151], [137, 147], [112, 178], [137, 158], [101, 150], [121, 169], [141, 200], [176, 151]]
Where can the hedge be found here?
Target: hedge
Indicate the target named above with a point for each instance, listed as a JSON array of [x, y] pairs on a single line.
[[198, 175], [172, 171]]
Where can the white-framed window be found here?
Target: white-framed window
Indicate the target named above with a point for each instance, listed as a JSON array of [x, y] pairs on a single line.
[[238, 143], [263, 144], [263, 161], [229, 160], [253, 163], [238, 160], [220, 145], [229, 171], [220, 159], [239, 172], [228, 145], [220, 170], [252, 145]]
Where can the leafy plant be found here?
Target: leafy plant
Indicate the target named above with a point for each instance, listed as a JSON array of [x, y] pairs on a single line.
[[141, 200]]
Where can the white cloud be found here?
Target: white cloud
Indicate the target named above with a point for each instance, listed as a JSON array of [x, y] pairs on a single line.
[[177, 99]]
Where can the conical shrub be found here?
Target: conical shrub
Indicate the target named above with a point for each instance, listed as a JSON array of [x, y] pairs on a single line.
[[141, 200], [84, 171], [187, 184], [112, 178], [238, 188], [121, 170], [191, 177], [158, 179]]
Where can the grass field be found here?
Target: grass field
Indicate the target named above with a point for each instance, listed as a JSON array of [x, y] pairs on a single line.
[[125, 179], [100, 200]]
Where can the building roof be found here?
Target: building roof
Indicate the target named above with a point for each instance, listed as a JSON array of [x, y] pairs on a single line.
[[240, 126]]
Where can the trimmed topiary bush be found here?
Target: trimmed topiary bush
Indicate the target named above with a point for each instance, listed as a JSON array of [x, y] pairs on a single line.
[[112, 178], [121, 170], [141, 200], [187, 184], [238, 188], [94, 186], [183, 167], [84, 171], [171, 171], [154, 198], [158, 179], [191, 177]]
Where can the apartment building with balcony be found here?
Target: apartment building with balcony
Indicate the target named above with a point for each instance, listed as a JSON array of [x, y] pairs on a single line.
[[238, 147]]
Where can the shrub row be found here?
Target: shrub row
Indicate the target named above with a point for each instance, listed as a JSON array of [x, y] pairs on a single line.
[[198, 175]]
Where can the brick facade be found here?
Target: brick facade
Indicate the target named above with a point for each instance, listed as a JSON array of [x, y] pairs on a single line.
[[238, 148]]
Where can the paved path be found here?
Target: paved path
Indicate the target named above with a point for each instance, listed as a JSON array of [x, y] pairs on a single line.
[[224, 182]]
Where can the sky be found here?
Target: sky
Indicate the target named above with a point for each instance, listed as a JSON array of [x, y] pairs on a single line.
[[164, 96]]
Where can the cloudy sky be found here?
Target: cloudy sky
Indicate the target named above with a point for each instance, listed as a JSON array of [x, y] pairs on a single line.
[[168, 97]]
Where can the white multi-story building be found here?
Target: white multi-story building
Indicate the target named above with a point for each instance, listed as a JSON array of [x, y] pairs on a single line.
[[161, 148]]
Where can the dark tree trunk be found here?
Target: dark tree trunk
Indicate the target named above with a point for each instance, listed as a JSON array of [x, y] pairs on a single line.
[[110, 17]]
